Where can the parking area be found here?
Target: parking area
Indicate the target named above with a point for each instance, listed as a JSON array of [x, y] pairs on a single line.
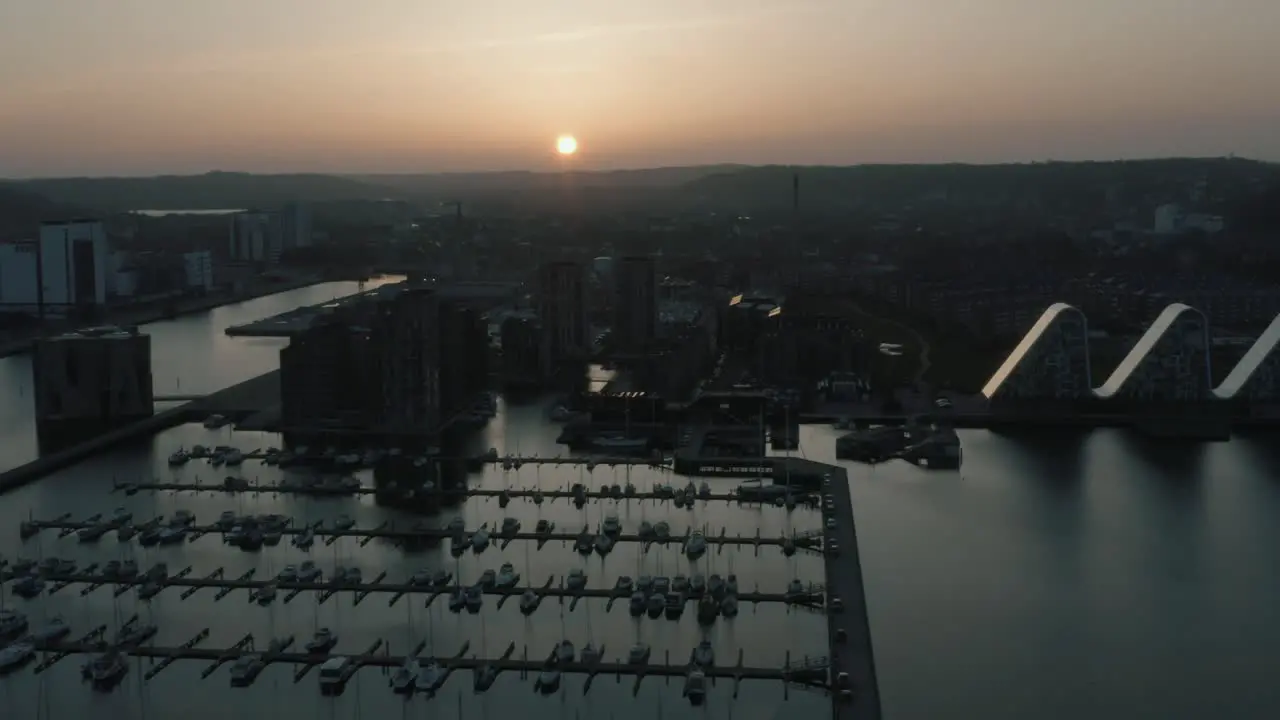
[[853, 670]]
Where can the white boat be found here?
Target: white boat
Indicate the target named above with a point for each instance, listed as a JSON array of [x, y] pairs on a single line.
[[695, 545], [657, 602], [548, 679], [120, 516], [288, 574], [620, 442], [305, 539], [604, 544], [179, 457], [107, 669], [474, 599], [795, 588], [266, 594], [245, 669], [510, 526], [309, 572], [731, 585], [182, 518], [704, 490], [133, 634], [611, 525], [457, 600], [28, 587], [507, 576], [54, 629], [590, 654], [564, 652], [639, 654], [662, 529], [404, 677], [215, 421], [128, 569], [577, 579], [422, 578], [344, 522], [529, 602], [695, 687], [457, 525], [704, 655], [15, 656], [488, 580], [322, 642], [480, 540], [729, 606], [233, 457], [333, 675], [430, 678], [637, 603]]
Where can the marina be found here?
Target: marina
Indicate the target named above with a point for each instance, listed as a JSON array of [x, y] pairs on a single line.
[[75, 554]]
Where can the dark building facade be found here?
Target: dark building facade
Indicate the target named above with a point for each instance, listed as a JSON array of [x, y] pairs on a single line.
[[524, 365], [463, 352], [95, 378], [562, 311], [635, 304], [373, 368]]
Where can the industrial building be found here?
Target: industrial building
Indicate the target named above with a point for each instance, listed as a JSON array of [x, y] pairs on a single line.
[[524, 363], [562, 310], [72, 260], [92, 379], [635, 305]]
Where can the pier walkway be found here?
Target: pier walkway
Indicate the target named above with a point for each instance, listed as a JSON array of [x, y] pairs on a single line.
[[656, 494], [807, 539], [812, 595], [485, 669]]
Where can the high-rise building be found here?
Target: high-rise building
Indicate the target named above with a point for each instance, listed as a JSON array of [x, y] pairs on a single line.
[[562, 310], [635, 305], [99, 377], [73, 258], [256, 236]]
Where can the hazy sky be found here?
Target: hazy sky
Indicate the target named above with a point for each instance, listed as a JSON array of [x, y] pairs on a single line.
[[149, 86]]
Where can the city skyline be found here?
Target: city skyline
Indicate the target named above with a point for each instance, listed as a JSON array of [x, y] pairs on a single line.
[[143, 87]]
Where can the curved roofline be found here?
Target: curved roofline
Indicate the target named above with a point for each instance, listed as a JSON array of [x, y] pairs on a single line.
[[1239, 377], [1138, 353], [1011, 362]]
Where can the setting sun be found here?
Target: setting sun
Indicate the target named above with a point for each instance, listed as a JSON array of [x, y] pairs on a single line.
[[566, 145]]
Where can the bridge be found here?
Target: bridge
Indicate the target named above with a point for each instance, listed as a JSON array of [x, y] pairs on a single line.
[[1169, 363]]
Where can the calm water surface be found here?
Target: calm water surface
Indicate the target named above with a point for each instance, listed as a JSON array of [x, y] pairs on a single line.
[[189, 354]]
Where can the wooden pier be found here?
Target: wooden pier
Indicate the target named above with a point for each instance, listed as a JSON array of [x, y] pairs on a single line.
[[812, 596], [805, 539]]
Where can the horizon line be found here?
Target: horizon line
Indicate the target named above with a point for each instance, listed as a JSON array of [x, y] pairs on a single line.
[[603, 171]]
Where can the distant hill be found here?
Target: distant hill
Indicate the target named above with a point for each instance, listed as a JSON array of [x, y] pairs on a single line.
[[770, 186], [211, 191], [440, 184], [22, 211]]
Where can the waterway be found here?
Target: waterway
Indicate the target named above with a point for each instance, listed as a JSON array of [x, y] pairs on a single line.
[[189, 355], [1083, 576]]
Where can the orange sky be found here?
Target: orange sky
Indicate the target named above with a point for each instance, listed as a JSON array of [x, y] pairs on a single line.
[[150, 86]]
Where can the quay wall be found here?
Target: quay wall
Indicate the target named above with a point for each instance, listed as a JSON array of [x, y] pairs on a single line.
[[241, 399], [46, 464]]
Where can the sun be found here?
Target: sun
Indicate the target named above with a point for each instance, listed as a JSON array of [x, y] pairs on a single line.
[[566, 145]]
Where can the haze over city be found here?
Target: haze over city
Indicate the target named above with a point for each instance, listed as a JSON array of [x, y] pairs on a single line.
[[136, 87]]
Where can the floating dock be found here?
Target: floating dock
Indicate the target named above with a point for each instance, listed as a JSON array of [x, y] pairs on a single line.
[[807, 672], [804, 540], [130, 488], [812, 595]]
